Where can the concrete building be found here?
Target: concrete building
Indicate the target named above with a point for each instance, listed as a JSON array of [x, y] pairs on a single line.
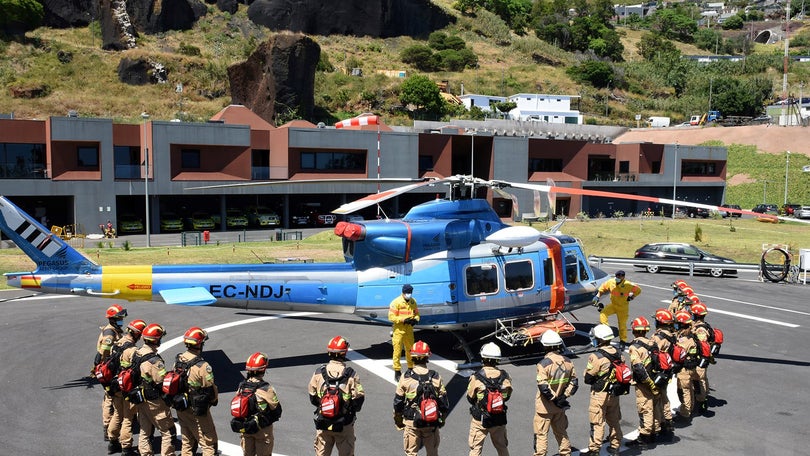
[[85, 171], [544, 108]]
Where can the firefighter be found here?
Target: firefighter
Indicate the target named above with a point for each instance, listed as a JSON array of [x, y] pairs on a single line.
[[259, 441], [110, 333], [196, 423], [152, 412], [681, 292], [685, 355], [488, 402], [641, 350], [556, 382], [403, 313], [338, 396], [119, 429], [705, 334], [420, 404], [621, 293], [664, 338], [604, 405]]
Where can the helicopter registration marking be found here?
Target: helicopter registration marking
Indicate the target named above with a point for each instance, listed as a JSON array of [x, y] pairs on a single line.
[[248, 291]]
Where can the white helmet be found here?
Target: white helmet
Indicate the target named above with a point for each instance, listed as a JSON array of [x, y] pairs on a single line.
[[491, 350], [550, 338], [602, 332]]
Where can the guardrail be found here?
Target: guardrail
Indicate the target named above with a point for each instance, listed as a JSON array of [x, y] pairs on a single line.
[[688, 265]]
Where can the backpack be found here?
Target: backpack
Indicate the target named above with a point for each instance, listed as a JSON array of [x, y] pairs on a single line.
[[619, 384], [332, 405], [427, 410], [175, 383], [107, 370], [493, 402], [718, 341], [129, 379], [244, 403]]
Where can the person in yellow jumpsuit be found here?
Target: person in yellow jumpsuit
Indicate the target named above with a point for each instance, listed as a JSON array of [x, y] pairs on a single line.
[[621, 293], [403, 313]]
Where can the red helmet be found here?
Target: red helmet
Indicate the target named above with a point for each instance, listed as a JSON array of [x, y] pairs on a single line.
[[687, 291], [694, 299], [153, 333], [683, 316], [679, 284], [640, 324], [420, 350], [699, 309], [663, 316], [136, 326], [338, 345], [116, 311], [257, 362], [195, 336]]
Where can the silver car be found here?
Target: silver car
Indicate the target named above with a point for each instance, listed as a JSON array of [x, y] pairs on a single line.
[[802, 212]]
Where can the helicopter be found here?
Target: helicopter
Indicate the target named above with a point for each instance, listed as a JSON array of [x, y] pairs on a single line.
[[468, 268]]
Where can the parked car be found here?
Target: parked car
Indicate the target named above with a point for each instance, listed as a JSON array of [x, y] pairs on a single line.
[[732, 214], [765, 209], [262, 217], [199, 221], [326, 219], [129, 223], [803, 212], [169, 221], [234, 218], [790, 209], [676, 251], [300, 220], [682, 211]]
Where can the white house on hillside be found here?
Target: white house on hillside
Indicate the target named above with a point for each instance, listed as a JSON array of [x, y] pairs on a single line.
[[544, 108], [483, 102]]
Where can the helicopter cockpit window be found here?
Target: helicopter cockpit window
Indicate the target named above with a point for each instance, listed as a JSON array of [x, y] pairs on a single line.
[[481, 279], [583, 272], [548, 272], [571, 270], [518, 275]]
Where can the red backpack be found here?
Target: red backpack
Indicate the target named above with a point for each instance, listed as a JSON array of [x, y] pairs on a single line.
[[493, 402], [244, 403], [332, 405], [129, 379], [622, 374], [107, 370], [426, 399]]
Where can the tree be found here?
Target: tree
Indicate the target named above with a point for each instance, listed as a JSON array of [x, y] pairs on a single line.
[[423, 94], [421, 57], [596, 72], [735, 22], [708, 39], [674, 25], [653, 45], [20, 15]]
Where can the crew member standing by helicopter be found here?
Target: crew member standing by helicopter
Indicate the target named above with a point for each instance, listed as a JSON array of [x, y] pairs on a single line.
[[621, 293], [403, 313], [488, 391], [556, 382], [110, 333]]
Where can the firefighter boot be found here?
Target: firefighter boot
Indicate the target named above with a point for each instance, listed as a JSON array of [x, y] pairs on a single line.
[[114, 446], [129, 452]]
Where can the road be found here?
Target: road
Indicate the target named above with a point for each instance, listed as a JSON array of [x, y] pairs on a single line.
[[758, 402]]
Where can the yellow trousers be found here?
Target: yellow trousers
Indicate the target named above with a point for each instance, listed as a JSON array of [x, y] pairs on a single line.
[[621, 311], [402, 339]]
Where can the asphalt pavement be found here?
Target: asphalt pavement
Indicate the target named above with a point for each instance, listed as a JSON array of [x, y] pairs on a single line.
[[758, 403]]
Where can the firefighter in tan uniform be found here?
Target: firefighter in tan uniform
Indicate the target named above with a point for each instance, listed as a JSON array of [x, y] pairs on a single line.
[[488, 418], [705, 334], [682, 293], [420, 388], [257, 430], [153, 413], [110, 333], [604, 406], [403, 313], [685, 355], [337, 394], [621, 293], [641, 362], [119, 429], [556, 382], [665, 338], [196, 423]]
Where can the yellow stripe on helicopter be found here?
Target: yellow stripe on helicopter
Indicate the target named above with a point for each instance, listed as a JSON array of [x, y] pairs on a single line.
[[132, 282]]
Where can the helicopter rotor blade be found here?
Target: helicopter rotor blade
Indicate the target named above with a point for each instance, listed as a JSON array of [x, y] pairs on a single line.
[[370, 180], [376, 198]]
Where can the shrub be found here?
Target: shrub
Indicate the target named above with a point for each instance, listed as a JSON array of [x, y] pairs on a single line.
[[698, 233], [188, 49]]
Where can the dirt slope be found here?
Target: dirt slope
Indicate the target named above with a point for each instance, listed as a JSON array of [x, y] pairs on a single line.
[[768, 138]]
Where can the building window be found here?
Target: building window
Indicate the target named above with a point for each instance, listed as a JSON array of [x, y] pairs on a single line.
[[330, 161], [260, 165], [127, 162], [425, 163], [87, 157], [190, 158], [655, 168], [624, 166], [22, 161], [545, 165], [696, 168]]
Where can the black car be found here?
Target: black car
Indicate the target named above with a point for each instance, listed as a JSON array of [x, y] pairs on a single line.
[[685, 211], [765, 209], [732, 214], [676, 251]]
